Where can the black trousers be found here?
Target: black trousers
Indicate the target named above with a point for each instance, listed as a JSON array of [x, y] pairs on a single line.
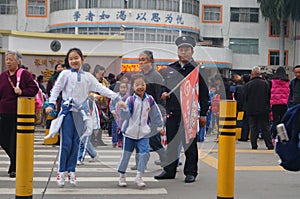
[[156, 145], [8, 136], [262, 121], [278, 111], [175, 136], [245, 128]]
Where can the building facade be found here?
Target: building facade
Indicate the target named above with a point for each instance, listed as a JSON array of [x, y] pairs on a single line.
[[230, 34]]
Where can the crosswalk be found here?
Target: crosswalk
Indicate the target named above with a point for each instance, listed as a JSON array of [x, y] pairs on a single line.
[[93, 178]]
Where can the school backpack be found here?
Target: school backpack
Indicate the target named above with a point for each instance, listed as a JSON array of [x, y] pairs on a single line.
[[289, 152], [131, 102], [39, 98]]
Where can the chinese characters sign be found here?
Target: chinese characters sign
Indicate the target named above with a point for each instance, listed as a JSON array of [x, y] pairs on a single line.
[[126, 15]]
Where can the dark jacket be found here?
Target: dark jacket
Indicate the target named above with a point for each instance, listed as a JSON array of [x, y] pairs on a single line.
[[239, 96], [173, 74], [8, 98], [155, 83], [294, 96], [257, 97]]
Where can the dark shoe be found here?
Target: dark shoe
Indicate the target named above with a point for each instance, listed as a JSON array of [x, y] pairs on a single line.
[[271, 148], [164, 175], [242, 140], [254, 148], [189, 179], [12, 174]]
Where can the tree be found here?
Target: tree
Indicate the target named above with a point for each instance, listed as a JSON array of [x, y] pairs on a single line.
[[279, 12]]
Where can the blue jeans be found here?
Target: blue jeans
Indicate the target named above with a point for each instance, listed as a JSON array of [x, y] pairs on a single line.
[[143, 151], [86, 146]]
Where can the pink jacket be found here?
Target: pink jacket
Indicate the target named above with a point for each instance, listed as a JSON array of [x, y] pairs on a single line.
[[279, 92]]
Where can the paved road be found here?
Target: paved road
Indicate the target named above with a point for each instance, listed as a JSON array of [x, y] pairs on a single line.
[[257, 175]]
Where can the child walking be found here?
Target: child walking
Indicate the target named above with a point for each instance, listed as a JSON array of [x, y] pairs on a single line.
[[75, 85], [117, 136], [141, 110]]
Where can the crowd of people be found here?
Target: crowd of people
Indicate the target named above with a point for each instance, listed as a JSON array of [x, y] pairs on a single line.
[[137, 109]]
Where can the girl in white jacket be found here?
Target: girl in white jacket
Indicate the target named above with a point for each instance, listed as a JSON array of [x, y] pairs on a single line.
[[141, 110]]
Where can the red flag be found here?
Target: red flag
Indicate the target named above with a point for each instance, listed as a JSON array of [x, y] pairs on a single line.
[[189, 104]]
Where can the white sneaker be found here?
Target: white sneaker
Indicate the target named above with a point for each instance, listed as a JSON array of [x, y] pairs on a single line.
[[140, 182], [60, 178], [122, 182], [79, 163], [72, 178]]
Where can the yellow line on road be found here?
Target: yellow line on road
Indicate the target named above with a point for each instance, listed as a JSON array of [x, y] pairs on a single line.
[[242, 151], [259, 168], [213, 162]]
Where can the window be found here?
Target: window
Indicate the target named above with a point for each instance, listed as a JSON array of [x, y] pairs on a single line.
[[244, 46], [8, 7], [274, 29], [88, 4], [250, 15], [36, 8], [172, 5], [56, 5], [190, 7], [117, 4], [274, 57], [211, 13]]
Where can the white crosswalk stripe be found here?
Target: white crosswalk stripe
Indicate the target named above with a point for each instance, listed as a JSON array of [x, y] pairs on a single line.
[[93, 178]]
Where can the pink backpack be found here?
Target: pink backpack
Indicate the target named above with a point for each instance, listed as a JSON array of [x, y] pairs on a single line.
[[39, 99]]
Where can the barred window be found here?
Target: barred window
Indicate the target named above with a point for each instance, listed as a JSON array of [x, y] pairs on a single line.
[[8, 7], [36, 8], [274, 30], [249, 15], [212, 14], [274, 57]]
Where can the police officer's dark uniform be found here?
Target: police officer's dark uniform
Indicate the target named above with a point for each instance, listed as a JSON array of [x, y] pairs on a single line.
[[173, 74]]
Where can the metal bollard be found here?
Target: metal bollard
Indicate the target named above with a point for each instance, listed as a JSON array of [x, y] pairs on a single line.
[[226, 149], [25, 146]]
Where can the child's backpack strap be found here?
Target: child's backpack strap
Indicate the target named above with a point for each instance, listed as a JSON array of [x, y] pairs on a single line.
[[150, 100], [131, 102], [19, 73]]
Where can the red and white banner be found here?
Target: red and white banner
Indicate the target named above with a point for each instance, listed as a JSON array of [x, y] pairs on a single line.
[[189, 104]]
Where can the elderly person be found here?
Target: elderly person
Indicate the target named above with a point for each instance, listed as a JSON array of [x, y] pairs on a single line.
[[257, 106], [9, 92]]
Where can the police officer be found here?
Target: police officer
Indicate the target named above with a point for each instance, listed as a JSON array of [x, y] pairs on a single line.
[[173, 75]]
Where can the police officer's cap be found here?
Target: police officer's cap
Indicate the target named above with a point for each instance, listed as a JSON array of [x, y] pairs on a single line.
[[185, 41]]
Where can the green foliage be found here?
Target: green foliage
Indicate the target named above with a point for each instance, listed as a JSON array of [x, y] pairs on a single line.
[[280, 9]]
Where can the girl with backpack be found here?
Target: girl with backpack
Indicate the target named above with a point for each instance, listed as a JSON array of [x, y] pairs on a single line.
[[141, 109]]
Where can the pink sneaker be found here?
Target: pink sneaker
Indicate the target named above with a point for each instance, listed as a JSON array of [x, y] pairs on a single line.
[[120, 144]]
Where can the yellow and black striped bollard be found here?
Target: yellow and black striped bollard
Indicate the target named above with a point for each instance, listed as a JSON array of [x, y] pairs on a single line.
[[25, 147], [226, 149]]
